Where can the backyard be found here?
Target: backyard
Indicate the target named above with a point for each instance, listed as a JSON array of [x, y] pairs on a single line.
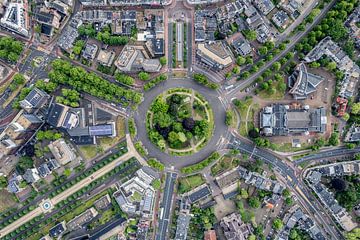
[[188, 183]]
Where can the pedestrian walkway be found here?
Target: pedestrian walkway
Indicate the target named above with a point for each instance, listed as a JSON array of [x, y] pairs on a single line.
[[70, 191]]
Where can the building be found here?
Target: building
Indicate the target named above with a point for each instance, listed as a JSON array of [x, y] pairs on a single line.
[[106, 58], [134, 58], [302, 221], [81, 219], [205, 25], [353, 26], [281, 19], [14, 183], [35, 100], [341, 106], [90, 51], [31, 175], [264, 6], [241, 46], [353, 134], [138, 3], [215, 54], [98, 16], [182, 225], [18, 132], [69, 35], [142, 229], [93, 3], [124, 23], [73, 121], [49, 20], [260, 182], [326, 47], [62, 151], [302, 83], [234, 228], [183, 220], [210, 235], [136, 196], [228, 182], [57, 230], [293, 7], [281, 120], [47, 167], [313, 177], [16, 18], [197, 194]]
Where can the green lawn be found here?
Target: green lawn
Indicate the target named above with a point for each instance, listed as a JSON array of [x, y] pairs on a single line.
[[189, 183], [6, 200], [89, 152], [224, 164], [276, 96], [136, 197]]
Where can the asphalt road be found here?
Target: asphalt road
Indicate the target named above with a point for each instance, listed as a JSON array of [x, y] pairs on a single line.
[[38, 199], [299, 188], [164, 218], [84, 196], [253, 151], [327, 154], [220, 129], [293, 41]]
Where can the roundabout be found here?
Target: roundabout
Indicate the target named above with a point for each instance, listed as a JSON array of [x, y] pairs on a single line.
[[190, 146], [180, 121]]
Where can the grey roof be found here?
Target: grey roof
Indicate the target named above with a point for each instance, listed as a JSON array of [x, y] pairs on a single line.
[[101, 130], [282, 120], [54, 114], [303, 83], [182, 226], [199, 194]]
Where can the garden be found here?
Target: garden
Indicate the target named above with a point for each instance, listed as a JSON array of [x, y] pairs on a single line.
[[179, 121]]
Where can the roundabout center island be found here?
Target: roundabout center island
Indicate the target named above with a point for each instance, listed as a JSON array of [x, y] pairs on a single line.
[[179, 121]]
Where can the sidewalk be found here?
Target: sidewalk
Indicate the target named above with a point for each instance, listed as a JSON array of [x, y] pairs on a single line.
[[62, 196]]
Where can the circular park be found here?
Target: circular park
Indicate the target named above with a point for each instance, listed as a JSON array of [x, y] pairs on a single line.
[[179, 121]]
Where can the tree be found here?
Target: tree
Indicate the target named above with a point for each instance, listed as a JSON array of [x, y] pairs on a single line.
[[263, 50], [289, 201], [144, 76], [163, 61], [278, 224], [240, 60], [3, 182], [286, 193], [162, 119], [24, 163], [315, 65], [189, 124], [229, 118], [159, 106], [244, 194], [353, 235], [282, 86], [254, 202], [331, 66], [334, 139], [250, 35], [355, 108], [125, 79], [78, 46], [276, 66], [236, 70], [254, 133]]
